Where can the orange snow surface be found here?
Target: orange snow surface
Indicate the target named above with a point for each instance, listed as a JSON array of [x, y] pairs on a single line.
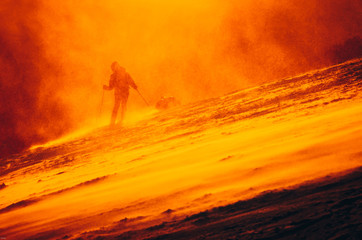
[[187, 159]]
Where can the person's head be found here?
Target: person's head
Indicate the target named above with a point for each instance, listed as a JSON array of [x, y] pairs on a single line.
[[116, 67]]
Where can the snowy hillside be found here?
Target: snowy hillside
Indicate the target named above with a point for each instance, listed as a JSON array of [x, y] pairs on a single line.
[[187, 159]]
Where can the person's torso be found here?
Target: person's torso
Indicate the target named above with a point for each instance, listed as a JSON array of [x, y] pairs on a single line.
[[120, 83]]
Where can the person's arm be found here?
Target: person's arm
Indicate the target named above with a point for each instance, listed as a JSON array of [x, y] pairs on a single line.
[[111, 84], [105, 87], [131, 82]]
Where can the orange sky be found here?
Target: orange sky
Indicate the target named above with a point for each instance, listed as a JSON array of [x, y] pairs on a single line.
[[56, 54]]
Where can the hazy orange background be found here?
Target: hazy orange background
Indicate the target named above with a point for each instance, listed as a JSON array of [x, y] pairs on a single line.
[[56, 55]]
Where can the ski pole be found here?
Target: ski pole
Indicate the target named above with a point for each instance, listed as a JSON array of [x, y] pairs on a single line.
[[142, 97], [100, 107]]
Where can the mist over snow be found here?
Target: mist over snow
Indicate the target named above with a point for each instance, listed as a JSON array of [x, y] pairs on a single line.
[[55, 55]]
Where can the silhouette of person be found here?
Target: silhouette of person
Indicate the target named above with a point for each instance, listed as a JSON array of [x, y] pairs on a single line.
[[120, 81]]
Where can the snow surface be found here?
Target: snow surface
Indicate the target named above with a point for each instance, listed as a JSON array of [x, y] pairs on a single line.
[[187, 159]]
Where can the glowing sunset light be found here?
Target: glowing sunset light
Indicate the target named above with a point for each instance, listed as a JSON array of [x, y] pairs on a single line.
[[257, 96]]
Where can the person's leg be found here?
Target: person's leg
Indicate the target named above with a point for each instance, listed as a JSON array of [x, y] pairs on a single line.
[[123, 108], [115, 110]]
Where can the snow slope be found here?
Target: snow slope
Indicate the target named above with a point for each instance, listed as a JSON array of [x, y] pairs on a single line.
[[187, 159]]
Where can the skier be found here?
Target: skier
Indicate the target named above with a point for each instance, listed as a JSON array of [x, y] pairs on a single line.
[[120, 81]]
